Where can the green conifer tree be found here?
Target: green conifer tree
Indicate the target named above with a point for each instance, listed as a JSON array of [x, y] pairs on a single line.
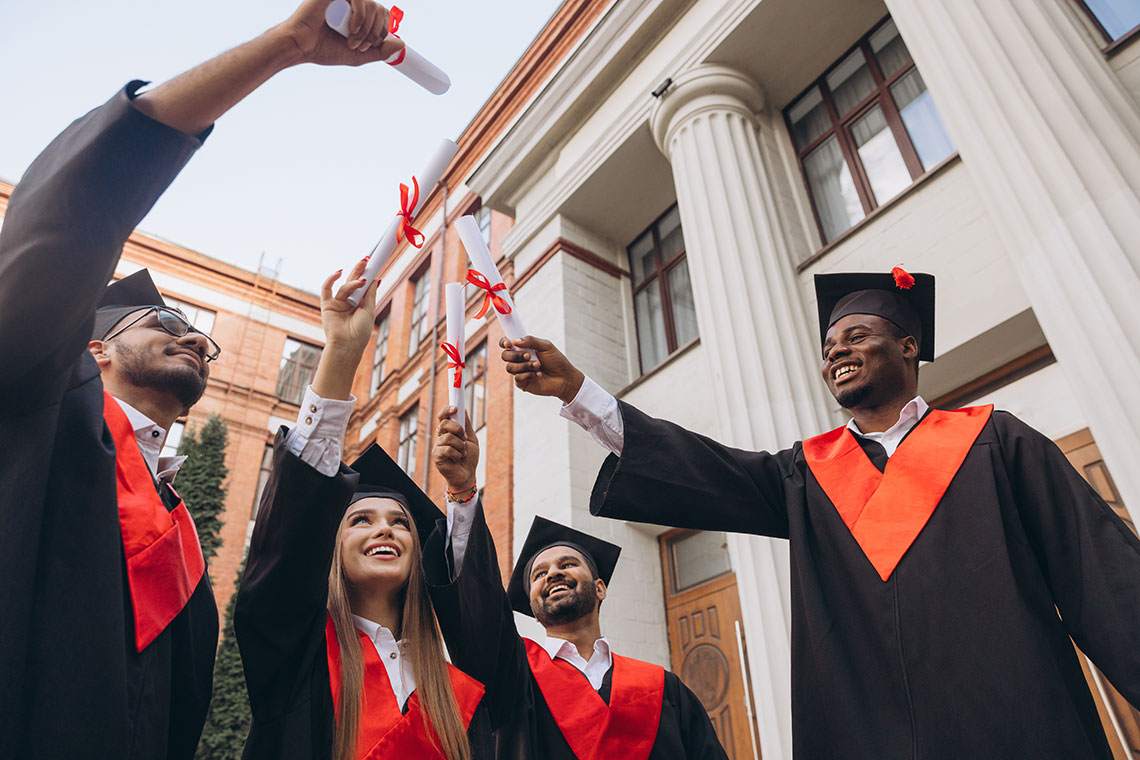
[[227, 723], [199, 481]]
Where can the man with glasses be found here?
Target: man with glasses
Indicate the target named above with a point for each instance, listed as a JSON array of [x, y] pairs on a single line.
[[108, 625]]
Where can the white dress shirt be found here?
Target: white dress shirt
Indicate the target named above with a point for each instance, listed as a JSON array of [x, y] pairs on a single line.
[[594, 670], [150, 438], [596, 412], [394, 656]]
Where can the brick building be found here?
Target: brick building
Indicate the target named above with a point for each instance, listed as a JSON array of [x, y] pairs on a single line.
[[270, 335]]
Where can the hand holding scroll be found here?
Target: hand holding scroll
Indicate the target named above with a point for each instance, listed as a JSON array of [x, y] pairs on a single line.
[[456, 452], [551, 374]]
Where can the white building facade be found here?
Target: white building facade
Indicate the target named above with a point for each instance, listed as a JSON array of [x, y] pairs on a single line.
[[691, 165]]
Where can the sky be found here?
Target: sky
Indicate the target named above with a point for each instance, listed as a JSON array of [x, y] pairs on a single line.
[[307, 169]]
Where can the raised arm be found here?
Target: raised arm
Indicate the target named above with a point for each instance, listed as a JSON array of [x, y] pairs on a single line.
[[658, 472], [466, 586], [79, 200], [280, 612]]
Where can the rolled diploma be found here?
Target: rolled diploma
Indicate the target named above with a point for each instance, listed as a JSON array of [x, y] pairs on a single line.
[[453, 298], [482, 262], [428, 179], [414, 66]]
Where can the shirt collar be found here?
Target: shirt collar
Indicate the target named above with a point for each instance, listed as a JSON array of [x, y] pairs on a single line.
[[914, 411], [151, 437], [555, 646], [380, 635]]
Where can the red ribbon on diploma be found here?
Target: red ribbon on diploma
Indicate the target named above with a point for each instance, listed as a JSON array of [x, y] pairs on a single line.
[[395, 16], [455, 363], [406, 229], [477, 279]]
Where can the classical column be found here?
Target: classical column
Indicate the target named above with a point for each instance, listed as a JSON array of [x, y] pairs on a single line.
[[1051, 140], [754, 326]]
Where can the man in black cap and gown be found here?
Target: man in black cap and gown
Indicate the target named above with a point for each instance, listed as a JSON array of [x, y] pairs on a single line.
[[940, 560], [108, 626], [569, 696]]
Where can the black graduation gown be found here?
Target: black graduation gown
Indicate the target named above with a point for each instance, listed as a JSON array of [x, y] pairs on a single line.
[[961, 652], [479, 628], [281, 613], [71, 680]]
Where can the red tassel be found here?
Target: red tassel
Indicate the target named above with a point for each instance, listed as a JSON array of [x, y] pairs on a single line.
[[903, 278]]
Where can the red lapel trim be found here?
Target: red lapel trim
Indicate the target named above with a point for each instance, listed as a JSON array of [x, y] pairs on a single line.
[[384, 730], [885, 511], [626, 728], [164, 559]]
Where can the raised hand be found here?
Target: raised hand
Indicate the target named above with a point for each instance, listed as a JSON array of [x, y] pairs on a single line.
[[367, 41], [551, 374], [348, 331], [456, 452]]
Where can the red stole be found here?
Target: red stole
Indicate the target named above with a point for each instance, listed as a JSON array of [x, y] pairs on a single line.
[[164, 559], [885, 511], [625, 728], [385, 732]]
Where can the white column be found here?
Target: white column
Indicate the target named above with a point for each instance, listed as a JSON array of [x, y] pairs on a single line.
[[1051, 140], [754, 324]]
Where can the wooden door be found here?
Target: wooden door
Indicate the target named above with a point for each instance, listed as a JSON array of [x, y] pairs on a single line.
[[1121, 721], [703, 612]]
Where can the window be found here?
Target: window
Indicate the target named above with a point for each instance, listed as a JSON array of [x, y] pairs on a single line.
[[475, 388], [419, 311], [483, 216], [696, 557], [662, 296], [409, 427], [1116, 18], [262, 478], [865, 131], [381, 354], [203, 319], [173, 440], [298, 364]]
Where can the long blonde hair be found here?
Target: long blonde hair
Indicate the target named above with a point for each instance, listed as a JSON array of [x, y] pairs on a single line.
[[418, 628]]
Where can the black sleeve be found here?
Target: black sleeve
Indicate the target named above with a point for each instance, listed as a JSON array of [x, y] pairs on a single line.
[[667, 475], [476, 619], [1090, 558], [65, 228], [280, 614], [697, 733]]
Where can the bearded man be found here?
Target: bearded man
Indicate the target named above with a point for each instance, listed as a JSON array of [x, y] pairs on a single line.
[[569, 696]]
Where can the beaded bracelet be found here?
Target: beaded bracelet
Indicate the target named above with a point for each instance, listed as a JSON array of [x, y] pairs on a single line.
[[454, 497]]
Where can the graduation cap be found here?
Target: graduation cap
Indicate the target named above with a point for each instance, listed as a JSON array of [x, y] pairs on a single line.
[[903, 298], [381, 478], [123, 297], [601, 555]]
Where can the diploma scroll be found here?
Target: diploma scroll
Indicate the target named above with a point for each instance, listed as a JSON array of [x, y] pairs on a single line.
[[454, 349], [425, 181], [410, 63], [498, 297]]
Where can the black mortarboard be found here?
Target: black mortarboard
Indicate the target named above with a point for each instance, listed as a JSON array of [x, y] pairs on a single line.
[[122, 297], [905, 299], [382, 478], [602, 555]]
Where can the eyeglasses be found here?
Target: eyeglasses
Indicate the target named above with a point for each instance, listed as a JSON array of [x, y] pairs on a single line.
[[173, 322]]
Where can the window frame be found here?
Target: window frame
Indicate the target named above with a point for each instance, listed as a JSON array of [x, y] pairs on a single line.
[[469, 382], [484, 213], [841, 126], [284, 358], [661, 276], [402, 454], [1109, 42], [380, 349], [414, 324]]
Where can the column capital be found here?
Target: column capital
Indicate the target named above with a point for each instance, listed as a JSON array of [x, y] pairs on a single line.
[[707, 87]]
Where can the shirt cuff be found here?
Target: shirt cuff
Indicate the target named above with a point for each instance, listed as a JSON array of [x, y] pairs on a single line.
[[597, 412], [318, 437], [459, 517]]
